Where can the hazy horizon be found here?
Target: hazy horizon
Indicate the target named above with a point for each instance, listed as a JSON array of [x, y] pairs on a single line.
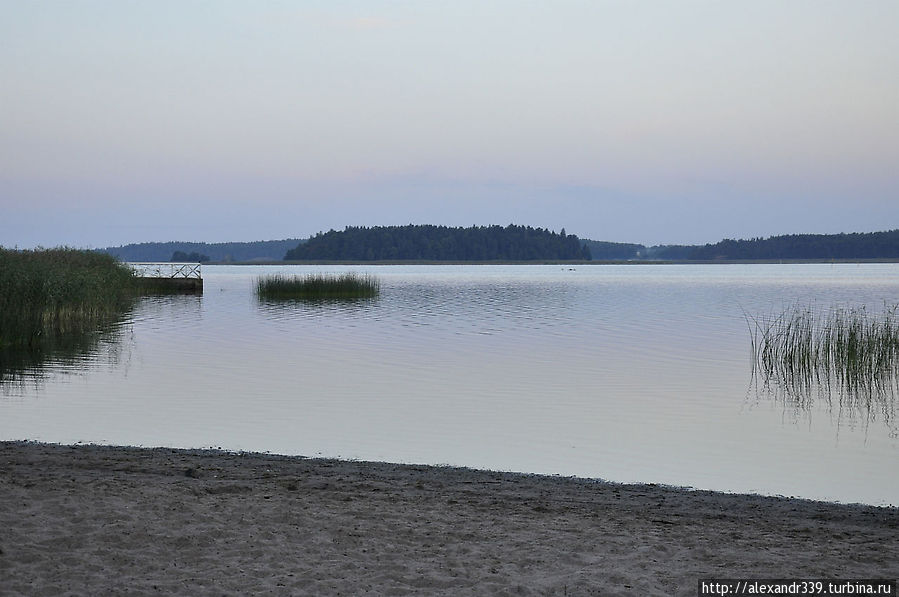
[[650, 123]]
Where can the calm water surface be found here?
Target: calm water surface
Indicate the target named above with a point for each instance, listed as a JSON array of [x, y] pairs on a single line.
[[626, 373]]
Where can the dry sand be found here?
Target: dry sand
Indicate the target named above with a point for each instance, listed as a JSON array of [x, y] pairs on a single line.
[[92, 520]]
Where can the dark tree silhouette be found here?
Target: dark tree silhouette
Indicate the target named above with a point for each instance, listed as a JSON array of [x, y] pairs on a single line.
[[867, 245], [181, 256], [441, 243]]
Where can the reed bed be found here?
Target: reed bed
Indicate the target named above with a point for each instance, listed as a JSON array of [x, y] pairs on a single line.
[[317, 287], [851, 348], [46, 294]]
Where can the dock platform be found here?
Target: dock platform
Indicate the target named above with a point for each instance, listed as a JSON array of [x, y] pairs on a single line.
[[166, 277]]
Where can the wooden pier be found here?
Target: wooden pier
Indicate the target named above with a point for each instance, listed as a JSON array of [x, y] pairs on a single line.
[[165, 278]]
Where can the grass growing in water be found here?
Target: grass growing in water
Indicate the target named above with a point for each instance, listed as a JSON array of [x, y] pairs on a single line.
[[48, 296], [847, 348], [317, 287]]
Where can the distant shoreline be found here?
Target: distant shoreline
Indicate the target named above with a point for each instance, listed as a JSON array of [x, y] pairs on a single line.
[[560, 263], [855, 247]]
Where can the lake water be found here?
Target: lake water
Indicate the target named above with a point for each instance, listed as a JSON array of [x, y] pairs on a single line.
[[626, 373]]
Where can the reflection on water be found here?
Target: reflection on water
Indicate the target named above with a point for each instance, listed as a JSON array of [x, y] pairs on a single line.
[[628, 373], [71, 350], [107, 343], [844, 357], [287, 309], [855, 406]]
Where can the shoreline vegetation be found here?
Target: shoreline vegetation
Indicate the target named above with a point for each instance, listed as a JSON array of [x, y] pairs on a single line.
[[63, 302], [91, 519], [317, 287], [51, 293]]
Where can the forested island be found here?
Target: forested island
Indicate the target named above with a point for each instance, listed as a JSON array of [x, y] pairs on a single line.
[[441, 243]]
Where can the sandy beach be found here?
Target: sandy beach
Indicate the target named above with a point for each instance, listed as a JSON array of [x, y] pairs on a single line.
[[95, 520]]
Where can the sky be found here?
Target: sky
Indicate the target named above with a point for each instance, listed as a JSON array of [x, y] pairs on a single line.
[[647, 121]]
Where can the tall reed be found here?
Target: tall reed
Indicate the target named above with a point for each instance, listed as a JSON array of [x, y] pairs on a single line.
[[848, 347], [317, 287], [48, 293]]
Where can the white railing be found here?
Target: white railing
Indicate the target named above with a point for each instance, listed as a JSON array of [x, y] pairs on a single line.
[[166, 270]]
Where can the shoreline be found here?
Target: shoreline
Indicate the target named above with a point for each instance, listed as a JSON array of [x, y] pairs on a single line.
[[93, 519], [572, 262]]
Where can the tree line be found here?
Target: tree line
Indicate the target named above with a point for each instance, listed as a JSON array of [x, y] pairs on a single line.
[[194, 257], [856, 245], [525, 243], [441, 243], [266, 250]]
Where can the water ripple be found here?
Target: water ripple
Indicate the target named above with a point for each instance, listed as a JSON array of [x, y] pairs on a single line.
[[627, 373]]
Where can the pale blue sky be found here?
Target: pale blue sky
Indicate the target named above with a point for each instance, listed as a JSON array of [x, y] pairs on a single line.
[[675, 121]]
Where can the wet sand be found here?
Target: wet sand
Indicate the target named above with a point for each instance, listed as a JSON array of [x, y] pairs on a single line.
[[95, 520]]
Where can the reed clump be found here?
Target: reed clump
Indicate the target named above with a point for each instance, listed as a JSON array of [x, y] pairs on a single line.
[[856, 349], [317, 287], [48, 294]]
